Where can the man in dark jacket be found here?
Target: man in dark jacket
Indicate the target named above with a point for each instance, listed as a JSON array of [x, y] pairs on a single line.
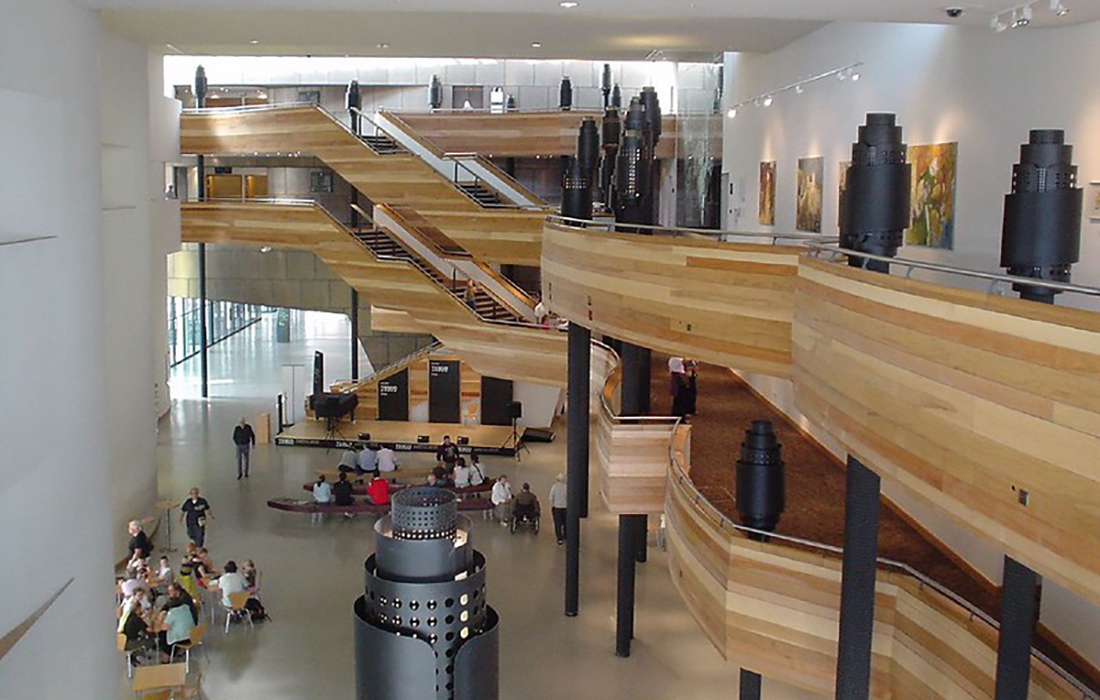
[[244, 439], [448, 454]]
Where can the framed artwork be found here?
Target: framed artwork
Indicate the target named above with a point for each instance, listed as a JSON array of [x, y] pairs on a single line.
[[932, 201], [766, 206], [842, 190], [1092, 202], [320, 182], [811, 176]]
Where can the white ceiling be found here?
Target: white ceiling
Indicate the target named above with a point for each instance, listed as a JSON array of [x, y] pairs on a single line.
[[608, 29]]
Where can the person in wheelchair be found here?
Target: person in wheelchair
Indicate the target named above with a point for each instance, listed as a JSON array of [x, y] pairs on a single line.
[[526, 507]]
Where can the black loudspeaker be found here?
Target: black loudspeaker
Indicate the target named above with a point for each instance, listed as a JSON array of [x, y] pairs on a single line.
[[463, 440], [423, 438], [538, 435], [515, 409]]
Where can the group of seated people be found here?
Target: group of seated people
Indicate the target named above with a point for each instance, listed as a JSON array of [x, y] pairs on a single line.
[[342, 492], [369, 458], [159, 607], [452, 470]]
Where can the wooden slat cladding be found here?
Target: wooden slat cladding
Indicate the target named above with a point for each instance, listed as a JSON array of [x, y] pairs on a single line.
[[526, 135], [723, 303], [497, 236], [967, 400], [499, 350], [776, 610]]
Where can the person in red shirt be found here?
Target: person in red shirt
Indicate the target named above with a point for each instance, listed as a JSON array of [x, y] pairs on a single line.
[[378, 491]]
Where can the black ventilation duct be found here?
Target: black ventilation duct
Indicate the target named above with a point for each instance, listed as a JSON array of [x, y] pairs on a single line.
[[761, 482]]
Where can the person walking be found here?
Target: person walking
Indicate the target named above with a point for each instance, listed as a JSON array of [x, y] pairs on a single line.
[[244, 439], [502, 499], [559, 500], [196, 510]]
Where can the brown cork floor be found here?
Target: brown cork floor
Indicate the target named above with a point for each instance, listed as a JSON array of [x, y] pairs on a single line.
[[815, 486]]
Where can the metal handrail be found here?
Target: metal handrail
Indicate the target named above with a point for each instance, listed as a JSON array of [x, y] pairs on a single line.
[[723, 522], [250, 108], [611, 226], [411, 357], [994, 277]]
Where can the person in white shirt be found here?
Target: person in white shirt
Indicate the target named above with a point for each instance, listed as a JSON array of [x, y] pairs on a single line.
[[368, 459], [477, 477], [461, 474], [230, 582], [165, 576], [322, 493], [387, 459], [559, 500], [502, 499]]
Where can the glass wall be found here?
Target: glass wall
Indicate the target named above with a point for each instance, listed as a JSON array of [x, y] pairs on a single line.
[[223, 320]]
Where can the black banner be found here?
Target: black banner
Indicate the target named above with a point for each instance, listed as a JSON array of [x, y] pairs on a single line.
[[444, 392], [496, 394], [393, 397]]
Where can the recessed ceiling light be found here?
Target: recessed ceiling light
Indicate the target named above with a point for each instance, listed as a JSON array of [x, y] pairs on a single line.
[[569, 5], [798, 89], [768, 101], [254, 41], [732, 113], [383, 45], [536, 44], [855, 76]]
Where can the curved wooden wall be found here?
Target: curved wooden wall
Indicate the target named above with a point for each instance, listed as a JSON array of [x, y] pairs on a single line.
[[530, 134], [396, 180], [967, 400], [509, 352], [727, 304], [776, 609]]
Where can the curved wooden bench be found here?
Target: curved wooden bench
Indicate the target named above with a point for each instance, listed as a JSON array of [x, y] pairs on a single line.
[[294, 505], [333, 475], [360, 489]]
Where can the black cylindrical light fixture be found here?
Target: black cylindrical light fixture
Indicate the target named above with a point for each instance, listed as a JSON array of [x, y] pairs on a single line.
[[423, 629], [565, 95], [200, 87], [617, 97], [588, 145], [610, 134], [605, 85], [632, 168], [1041, 237], [576, 191], [435, 93], [761, 483], [651, 108], [876, 210]]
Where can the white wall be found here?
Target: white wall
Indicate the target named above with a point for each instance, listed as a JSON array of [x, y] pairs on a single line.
[[55, 497], [982, 89]]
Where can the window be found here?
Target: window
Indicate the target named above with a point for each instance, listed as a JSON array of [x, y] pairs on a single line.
[[320, 182]]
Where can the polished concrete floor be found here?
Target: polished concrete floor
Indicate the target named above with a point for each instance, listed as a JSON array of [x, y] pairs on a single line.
[[312, 573]]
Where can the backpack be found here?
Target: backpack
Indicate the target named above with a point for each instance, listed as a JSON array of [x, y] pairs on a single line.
[[256, 610]]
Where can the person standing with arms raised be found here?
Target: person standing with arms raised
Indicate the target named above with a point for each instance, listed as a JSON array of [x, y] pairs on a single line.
[[244, 439]]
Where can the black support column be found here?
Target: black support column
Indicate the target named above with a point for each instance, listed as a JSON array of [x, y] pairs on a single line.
[[750, 685], [1019, 613], [576, 490], [355, 223], [204, 364], [857, 586], [635, 402], [624, 620]]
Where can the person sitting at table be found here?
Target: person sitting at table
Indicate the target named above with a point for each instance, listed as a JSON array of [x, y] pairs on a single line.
[[203, 568], [231, 582], [178, 623], [461, 474], [186, 575], [378, 491], [132, 624], [387, 459], [251, 576], [131, 586], [176, 592], [164, 575]]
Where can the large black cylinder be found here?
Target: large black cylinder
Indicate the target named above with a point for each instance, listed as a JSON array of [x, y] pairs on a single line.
[[435, 93], [761, 484], [617, 97], [200, 87], [565, 96], [605, 86], [1041, 236], [588, 145], [876, 210], [632, 169], [576, 191], [423, 630], [651, 110]]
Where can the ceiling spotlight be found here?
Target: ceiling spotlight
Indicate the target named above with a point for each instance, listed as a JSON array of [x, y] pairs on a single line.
[[1021, 17], [569, 5], [732, 113], [997, 25], [265, 249], [383, 45], [1058, 8], [841, 76], [768, 101], [254, 41], [536, 44], [855, 76], [798, 89]]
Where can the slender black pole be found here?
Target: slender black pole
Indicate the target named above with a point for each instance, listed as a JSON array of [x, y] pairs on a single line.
[[204, 363], [750, 685], [580, 339], [624, 620], [635, 402], [641, 539], [354, 333], [1019, 613], [857, 585]]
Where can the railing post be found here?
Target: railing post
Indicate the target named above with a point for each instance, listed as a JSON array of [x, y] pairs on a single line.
[[1019, 613], [857, 585]]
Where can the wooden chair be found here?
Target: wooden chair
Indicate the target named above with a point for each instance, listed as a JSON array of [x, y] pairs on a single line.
[[164, 677], [120, 642], [236, 609], [195, 640]]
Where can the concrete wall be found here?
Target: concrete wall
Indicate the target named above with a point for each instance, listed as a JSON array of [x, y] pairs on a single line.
[[55, 485], [971, 85], [293, 279]]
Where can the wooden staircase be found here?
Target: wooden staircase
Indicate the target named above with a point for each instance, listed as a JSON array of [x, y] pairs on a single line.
[[382, 145]]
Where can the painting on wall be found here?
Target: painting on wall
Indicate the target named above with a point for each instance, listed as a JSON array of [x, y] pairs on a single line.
[[932, 202], [811, 176], [842, 189], [766, 207]]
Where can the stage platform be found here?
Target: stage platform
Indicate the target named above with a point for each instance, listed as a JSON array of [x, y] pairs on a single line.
[[402, 436]]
